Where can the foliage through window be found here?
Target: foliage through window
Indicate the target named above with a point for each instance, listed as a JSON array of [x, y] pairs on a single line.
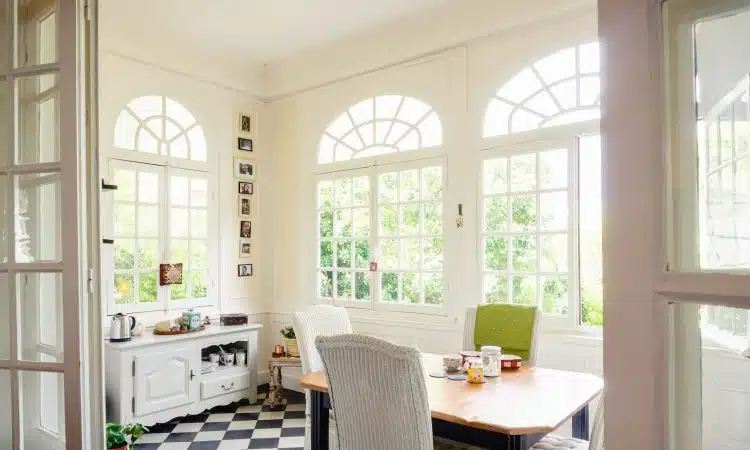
[[560, 89], [378, 126], [532, 218]]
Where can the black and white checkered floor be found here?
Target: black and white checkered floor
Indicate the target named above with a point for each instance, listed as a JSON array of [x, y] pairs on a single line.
[[236, 426]]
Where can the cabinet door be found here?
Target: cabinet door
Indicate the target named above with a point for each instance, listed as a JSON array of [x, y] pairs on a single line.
[[162, 380]]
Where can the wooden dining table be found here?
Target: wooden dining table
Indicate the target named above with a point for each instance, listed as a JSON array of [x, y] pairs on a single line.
[[510, 412]]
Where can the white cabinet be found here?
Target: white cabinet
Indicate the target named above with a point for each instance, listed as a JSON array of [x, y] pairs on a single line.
[[163, 379], [153, 379]]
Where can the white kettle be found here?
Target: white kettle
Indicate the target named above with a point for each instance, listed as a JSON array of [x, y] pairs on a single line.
[[120, 328]]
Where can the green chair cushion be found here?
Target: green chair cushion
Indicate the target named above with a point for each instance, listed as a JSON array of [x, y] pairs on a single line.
[[508, 326]]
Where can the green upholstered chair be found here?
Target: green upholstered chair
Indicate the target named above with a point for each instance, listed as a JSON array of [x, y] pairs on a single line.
[[512, 327]]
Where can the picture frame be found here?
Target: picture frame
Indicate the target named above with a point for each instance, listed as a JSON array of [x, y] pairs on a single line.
[[244, 207], [245, 123], [246, 229], [245, 169], [244, 270], [244, 144], [245, 188], [245, 248]]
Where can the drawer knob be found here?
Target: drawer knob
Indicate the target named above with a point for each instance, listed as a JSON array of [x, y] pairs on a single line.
[[226, 388]]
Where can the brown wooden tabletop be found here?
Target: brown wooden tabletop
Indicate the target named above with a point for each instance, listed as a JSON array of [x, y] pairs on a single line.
[[525, 401]]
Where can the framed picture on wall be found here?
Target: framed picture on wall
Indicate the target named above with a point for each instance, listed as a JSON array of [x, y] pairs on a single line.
[[244, 206], [245, 123], [245, 169], [245, 188], [245, 144], [244, 270], [245, 229], [245, 248]]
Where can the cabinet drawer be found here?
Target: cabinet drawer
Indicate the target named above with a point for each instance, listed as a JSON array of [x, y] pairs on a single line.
[[215, 384]]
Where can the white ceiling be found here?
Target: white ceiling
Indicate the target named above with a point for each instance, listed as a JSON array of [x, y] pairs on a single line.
[[240, 33]]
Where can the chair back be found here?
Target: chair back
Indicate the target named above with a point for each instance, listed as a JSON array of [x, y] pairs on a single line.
[[596, 441], [378, 392], [469, 329], [318, 320]]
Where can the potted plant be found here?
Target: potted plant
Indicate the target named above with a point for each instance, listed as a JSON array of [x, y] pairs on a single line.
[[119, 436], [291, 340]]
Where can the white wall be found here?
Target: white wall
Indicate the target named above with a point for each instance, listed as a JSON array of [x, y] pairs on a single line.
[[216, 109]]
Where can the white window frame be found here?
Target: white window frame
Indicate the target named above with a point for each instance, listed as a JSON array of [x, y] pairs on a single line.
[[373, 172]]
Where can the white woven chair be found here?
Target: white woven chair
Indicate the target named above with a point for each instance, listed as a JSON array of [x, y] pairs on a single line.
[[379, 394], [318, 320], [553, 442], [471, 317]]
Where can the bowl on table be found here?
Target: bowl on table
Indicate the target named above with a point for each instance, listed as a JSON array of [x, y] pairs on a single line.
[[466, 354], [451, 363]]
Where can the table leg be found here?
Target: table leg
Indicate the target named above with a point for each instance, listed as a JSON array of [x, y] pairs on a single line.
[[581, 424], [319, 419], [278, 401]]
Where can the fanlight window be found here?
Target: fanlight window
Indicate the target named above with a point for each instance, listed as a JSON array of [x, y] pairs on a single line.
[[560, 89], [160, 126], [378, 126]]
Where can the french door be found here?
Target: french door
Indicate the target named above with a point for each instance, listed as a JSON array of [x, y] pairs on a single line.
[[42, 234]]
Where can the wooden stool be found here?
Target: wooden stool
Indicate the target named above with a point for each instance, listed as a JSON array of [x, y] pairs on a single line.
[[275, 397]]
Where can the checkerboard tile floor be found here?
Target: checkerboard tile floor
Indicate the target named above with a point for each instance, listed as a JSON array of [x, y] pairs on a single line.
[[231, 427]]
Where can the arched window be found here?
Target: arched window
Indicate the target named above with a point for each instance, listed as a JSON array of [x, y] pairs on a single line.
[[160, 126], [559, 89], [378, 126]]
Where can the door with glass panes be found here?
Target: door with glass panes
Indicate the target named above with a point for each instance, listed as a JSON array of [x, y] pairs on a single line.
[[42, 235]]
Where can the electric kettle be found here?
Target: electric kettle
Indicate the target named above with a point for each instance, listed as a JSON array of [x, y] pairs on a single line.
[[120, 328]]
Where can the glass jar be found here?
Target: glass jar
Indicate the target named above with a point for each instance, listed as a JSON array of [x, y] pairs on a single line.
[[475, 373], [491, 359]]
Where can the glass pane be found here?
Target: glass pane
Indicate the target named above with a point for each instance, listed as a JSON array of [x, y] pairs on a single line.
[[553, 169], [433, 288], [198, 192], [325, 281], [410, 253], [198, 286], [524, 253], [495, 289], [432, 254], [125, 220], [6, 424], [362, 222], [343, 189], [3, 219], [42, 406], [388, 221], [361, 191], [326, 254], [38, 217], [178, 191], [495, 253], [38, 120], [524, 290], [362, 285], [389, 287], [124, 288], [524, 213], [555, 294], [344, 285], [198, 223], [495, 176], [553, 207], [325, 194], [410, 287], [362, 254], [147, 291], [432, 183], [148, 254], [125, 181], [5, 324], [37, 31], [432, 214], [178, 291], [409, 185], [40, 308], [388, 187], [523, 173], [496, 214], [148, 221], [198, 251], [409, 219], [389, 254], [178, 251], [343, 223], [344, 254], [179, 222], [590, 236], [148, 187], [325, 225], [554, 253]]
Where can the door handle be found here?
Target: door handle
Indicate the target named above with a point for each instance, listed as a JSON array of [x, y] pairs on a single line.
[[226, 388], [192, 375]]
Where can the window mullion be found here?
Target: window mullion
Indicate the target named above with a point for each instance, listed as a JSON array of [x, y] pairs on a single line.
[[574, 233], [163, 245], [374, 238]]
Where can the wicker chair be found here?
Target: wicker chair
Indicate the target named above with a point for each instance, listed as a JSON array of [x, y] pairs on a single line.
[[553, 442], [378, 392], [319, 320], [471, 315]]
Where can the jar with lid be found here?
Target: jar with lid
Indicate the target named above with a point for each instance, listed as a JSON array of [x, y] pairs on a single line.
[[491, 359], [475, 373]]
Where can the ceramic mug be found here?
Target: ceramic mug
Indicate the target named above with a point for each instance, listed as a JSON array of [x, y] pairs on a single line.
[[214, 358], [451, 362], [240, 357], [227, 359]]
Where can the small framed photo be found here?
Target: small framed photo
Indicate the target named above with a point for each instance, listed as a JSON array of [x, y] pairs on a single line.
[[244, 206], [245, 123], [245, 229], [245, 188], [244, 270], [245, 144], [245, 169], [245, 248]]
